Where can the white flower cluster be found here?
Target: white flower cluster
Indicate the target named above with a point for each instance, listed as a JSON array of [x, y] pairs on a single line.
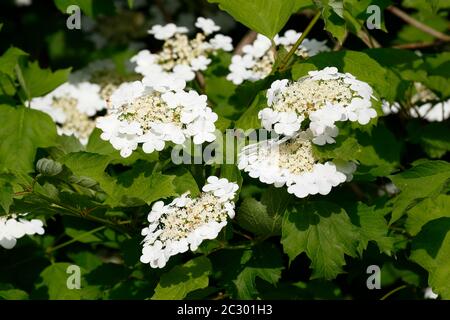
[[184, 223], [324, 97], [153, 115], [258, 58], [103, 73], [180, 56], [291, 162], [14, 227], [72, 107], [424, 107]]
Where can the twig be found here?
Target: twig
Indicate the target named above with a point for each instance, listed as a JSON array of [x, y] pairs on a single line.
[[392, 292], [418, 45], [247, 39], [338, 45], [302, 37], [417, 24], [370, 41], [200, 80], [75, 239]]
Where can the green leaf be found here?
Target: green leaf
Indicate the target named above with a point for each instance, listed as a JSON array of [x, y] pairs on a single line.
[[264, 217], [249, 119], [380, 153], [7, 85], [252, 215], [433, 137], [179, 281], [92, 8], [184, 181], [324, 232], [23, 131], [431, 250], [6, 194], [36, 81], [333, 22], [265, 263], [13, 294], [136, 186], [420, 182], [345, 148], [357, 63], [97, 145], [232, 173], [372, 227], [9, 60], [54, 280], [427, 210], [86, 260], [264, 16]]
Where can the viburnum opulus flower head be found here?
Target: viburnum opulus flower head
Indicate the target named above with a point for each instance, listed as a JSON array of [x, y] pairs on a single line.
[[186, 222], [180, 56], [14, 227], [152, 116], [324, 97], [72, 107], [291, 162], [258, 58]]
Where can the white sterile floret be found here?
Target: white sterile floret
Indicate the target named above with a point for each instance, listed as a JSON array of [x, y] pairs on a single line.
[[167, 31], [324, 97], [434, 112], [206, 25], [424, 103], [259, 56], [200, 63], [71, 106], [186, 222], [103, 73], [145, 115], [180, 56], [15, 227], [291, 162], [429, 294], [222, 42]]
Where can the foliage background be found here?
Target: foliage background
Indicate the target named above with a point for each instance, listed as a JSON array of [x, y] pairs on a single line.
[[278, 247]]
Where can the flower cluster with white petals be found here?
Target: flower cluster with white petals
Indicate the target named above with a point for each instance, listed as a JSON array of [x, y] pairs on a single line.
[[324, 97], [103, 73], [291, 162], [72, 107], [152, 116], [425, 106], [258, 58], [186, 222], [180, 56], [15, 227]]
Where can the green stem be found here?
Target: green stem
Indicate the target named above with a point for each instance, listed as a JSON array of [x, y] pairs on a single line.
[[392, 292], [62, 245], [299, 41]]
